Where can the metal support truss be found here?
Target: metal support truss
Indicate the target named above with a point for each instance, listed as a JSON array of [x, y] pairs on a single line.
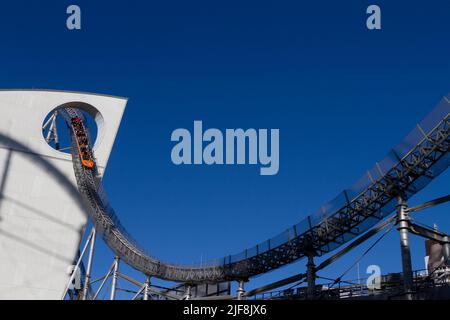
[[146, 288], [403, 228], [414, 228], [413, 170], [301, 277], [367, 205], [429, 204], [52, 133], [104, 279], [188, 294], [428, 233], [114, 278], [431, 233], [77, 266], [87, 281]]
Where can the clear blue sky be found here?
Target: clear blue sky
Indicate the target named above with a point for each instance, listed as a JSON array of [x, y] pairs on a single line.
[[341, 96]]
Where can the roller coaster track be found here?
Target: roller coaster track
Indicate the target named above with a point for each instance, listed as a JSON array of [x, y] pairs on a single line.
[[408, 168]]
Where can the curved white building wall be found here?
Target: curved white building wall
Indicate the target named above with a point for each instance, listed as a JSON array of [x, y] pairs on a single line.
[[42, 218]]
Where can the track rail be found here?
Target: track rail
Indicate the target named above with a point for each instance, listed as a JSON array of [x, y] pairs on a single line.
[[423, 156]]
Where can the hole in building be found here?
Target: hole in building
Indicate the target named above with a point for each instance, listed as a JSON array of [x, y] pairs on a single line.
[[56, 132]]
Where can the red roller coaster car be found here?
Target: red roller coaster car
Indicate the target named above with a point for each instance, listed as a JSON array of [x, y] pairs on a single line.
[[82, 143]]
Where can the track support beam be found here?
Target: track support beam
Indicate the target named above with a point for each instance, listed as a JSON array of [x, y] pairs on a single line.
[[114, 278], [188, 294], [311, 277], [240, 292], [87, 281], [77, 266], [146, 288], [403, 228], [446, 250]]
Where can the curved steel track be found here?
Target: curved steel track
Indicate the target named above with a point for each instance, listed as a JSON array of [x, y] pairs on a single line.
[[423, 155]]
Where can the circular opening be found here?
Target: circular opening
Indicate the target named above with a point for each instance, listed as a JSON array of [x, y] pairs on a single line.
[[56, 132]]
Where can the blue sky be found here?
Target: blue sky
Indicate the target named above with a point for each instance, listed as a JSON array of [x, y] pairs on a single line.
[[340, 94]]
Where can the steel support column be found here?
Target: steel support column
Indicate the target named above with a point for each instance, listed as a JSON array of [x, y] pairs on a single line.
[[188, 292], [311, 277], [77, 266], [403, 228], [114, 278], [240, 290], [87, 280], [105, 278], [446, 250], [146, 288]]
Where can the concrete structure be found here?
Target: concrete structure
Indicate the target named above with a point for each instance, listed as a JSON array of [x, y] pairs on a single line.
[[42, 216]]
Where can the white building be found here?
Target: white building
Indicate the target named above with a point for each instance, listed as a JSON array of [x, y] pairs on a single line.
[[42, 217]]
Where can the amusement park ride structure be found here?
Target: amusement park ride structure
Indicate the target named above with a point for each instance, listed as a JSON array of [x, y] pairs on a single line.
[[405, 171], [355, 215]]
